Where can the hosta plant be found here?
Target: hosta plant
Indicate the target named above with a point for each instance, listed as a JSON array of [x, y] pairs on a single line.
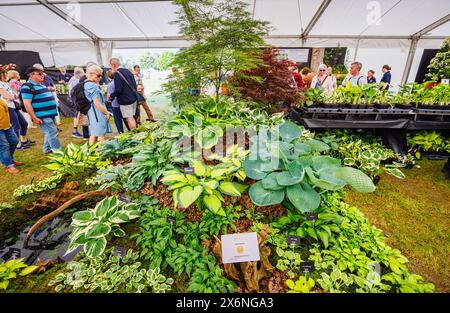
[[151, 161], [93, 226], [73, 159], [12, 269], [206, 186], [428, 141], [287, 168], [302, 285], [111, 273], [45, 184]]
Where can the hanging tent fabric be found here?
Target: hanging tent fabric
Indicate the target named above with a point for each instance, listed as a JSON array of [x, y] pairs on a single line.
[[375, 32]]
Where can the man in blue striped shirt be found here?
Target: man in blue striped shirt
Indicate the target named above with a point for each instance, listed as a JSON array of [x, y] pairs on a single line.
[[41, 105]]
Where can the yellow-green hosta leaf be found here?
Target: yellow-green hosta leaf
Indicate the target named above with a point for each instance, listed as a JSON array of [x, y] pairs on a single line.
[[212, 184], [188, 195], [199, 168], [241, 174], [192, 179], [28, 270], [177, 185], [175, 197], [173, 178], [217, 172], [214, 204], [229, 188]]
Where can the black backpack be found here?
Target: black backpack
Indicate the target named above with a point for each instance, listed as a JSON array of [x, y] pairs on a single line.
[[20, 105], [79, 98]]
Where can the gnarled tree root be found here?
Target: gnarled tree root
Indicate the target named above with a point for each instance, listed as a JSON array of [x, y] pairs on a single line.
[[59, 210]]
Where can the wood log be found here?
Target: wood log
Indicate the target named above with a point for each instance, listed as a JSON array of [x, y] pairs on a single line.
[[59, 210]]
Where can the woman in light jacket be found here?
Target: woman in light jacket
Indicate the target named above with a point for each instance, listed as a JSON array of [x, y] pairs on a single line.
[[323, 80], [98, 115]]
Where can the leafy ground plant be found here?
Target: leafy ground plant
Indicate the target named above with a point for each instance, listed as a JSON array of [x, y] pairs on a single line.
[[206, 185], [42, 185], [112, 273], [11, 269], [73, 159], [93, 226]]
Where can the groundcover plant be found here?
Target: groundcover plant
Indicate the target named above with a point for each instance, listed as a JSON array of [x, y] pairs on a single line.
[[280, 182]]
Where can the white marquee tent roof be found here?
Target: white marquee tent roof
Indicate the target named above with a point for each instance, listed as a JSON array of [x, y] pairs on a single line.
[[376, 32]]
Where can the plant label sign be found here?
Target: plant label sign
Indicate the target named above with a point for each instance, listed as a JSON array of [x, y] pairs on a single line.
[[312, 216], [294, 240], [125, 198], [307, 267], [189, 170], [120, 251], [242, 247], [171, 219]]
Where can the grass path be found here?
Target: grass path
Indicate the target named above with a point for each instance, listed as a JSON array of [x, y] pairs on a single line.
[[414, 214]]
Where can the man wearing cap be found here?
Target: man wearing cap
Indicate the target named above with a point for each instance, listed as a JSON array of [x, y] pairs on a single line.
[[41, 105]]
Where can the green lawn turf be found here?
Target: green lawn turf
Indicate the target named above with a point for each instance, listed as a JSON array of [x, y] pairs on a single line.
[[34, 160], [414, 215]]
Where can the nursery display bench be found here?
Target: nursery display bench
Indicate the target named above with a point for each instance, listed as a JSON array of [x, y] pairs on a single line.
[[391, 123]]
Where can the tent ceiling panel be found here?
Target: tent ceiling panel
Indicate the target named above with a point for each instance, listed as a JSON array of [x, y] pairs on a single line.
[[382, 17], [106, 20], [399, 20], [153, 18], [287, 17], [17, 1], [39, 22]]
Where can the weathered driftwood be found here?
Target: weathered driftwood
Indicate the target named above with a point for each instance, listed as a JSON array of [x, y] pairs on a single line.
[[59, 210], [249, 271]]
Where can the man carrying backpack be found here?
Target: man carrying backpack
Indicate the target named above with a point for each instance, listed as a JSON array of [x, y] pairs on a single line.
[[124, 91], [41, 105]]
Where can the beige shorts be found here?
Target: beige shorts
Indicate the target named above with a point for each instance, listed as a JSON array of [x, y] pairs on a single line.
[[128, 110]]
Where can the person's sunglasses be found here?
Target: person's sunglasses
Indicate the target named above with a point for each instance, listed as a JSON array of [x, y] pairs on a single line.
[[99, 75], [39, 73], [322, 70]]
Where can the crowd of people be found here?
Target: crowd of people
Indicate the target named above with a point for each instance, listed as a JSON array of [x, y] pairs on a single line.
[[35, 103], [325, 79]]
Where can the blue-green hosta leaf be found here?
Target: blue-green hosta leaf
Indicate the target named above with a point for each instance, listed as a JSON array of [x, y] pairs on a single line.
[[264, 197], [82, 217], [303, 197], [355, 178], [325, 163], [288, 150], [290, 131], [98, 231], [214, 204], [286, 179], [256, 169], [270, 182], [317, 146], [302, 148], [327, 182], [229, 188], [187, 195], [209, 136], [94, 247], [296, 169]]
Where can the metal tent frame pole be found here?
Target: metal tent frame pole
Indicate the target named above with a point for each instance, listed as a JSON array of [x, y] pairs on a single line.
[[76, 24], [414, 40]]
